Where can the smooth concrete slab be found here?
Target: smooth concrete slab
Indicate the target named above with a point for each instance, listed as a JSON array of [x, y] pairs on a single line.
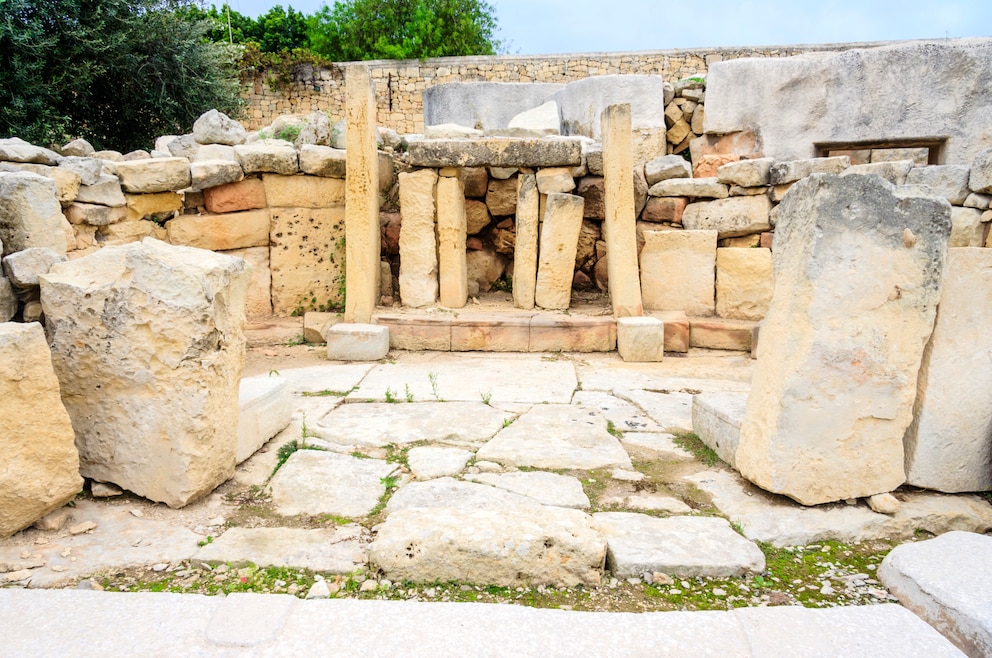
[[545, 488], [321, 549], [507, 378], [378, 424], [781, 521], [339, 378], [624, 415], [556, 436], [75, 622], [948, 582]]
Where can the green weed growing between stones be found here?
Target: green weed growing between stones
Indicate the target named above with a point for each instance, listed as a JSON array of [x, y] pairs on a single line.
[[691, 443]]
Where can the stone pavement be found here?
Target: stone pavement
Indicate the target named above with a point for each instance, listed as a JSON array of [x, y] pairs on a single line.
[[99, 624]]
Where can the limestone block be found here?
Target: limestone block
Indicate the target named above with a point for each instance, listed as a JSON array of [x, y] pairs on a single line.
[[949, 443], [30, 215], [265, 409], [741, 215], [555, 179], [418, 243], [593, 190], [676, 329], [322, 161], [248, 194], [66, 182], [14, 149], [476, 181], [641, 339], [77, 147], [211, 173], [451, 131], [303, 191], [153, 206], [677, 271], [746, 173], [980, 178], [979, 201], [563, 333], [357, 342], [894, 171], [948, 181], [665, 167], [619, 227], [159, 175], [664, 209], [716, 419], [268, 155], [235, 230], [417, 333], [307, 258], [259, 302], [484, 266], [215, 152], [556, 263], [497, 152], [94, 215], [477, 216], [525, 249], [856, 289], [105, 192], [491, 332], [722, 334], [585, 250], [744, 283], [361, 196], [967, 229], [640, 191], [214, 127], [501, 197], [41, 464], [151, 387], [316, 129], [316, 324], [8, 300], [792, 170], [24, 267], [707, 188], [488, 105], [452, 272], [124, 232], [542, 120]]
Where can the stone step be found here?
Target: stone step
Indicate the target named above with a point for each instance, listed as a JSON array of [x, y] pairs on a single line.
[[721, 333], [716, 419]]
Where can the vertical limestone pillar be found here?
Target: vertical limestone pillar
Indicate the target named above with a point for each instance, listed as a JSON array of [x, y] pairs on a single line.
[[361, 197], [451, 229], [620, 224], [559, 241], [525, 248], [418, 242]]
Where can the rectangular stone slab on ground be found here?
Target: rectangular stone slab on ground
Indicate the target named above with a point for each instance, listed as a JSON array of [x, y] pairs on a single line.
[[858, 266]]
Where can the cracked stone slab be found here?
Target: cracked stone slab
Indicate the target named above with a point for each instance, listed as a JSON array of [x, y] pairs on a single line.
[[554, 436], [671, 411], [678, 546], [546, 488], [322, 549], [624, 416], [377, 424], [449, 492], [648, 502], [693, 374], [507, 378], [781, 521], [321, 482], [330, 377], [663, 443], [430, 462]]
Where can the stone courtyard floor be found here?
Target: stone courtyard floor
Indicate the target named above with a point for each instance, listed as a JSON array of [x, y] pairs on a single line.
[[429, 479]]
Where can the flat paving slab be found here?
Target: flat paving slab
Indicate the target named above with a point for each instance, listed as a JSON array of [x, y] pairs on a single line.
[[449, 492], [321, 482], [76, 623], [554, 436], [429, 462], [694, 373], [338, 378], [624, 415], [545, 488], [948, 582], [337, 550], [670, 411]]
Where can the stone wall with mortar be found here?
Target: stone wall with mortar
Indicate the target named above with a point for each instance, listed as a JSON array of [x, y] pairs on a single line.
[[400, 83]]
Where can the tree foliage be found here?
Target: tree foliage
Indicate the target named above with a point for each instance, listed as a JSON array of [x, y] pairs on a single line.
[[404, 29], [274, 31], [117, 72]]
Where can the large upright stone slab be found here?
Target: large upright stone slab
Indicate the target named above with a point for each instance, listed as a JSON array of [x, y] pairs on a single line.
[[620, 224], [306, 258], [949, 444], [744, 282], [418, 242], [485, 105], [148, 342], [41, 464], [451, 234], [30, 215], [559, 238], [361, 197], [677, 271], [525, 244], [905, 90], [858, 266]]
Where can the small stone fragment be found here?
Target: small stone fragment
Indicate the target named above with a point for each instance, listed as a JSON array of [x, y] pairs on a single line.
[[80, 528], [105, 490], [884, 503]]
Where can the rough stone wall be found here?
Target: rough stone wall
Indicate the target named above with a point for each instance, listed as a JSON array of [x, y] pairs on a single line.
[[400, 83]]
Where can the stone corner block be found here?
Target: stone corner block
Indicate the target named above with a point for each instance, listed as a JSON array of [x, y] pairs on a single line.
[[641, 339], [357, 342]]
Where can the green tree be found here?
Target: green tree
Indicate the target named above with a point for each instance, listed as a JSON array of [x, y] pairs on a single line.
[[117, 72], [404, 29]]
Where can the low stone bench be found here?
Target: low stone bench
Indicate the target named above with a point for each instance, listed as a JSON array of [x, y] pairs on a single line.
[[717, 418]]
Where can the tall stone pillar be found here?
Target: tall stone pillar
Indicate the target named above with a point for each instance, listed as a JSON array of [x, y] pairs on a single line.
[[559, 241], [451, 229], [361, 199], [418, 243], [525, 247], [620, 224]]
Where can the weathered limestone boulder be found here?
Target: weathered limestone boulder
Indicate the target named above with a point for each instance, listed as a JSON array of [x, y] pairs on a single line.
[[556, 263], [159, 175], [236, 230], [665, 167], [894, 171], [857, 279], [967, 228], [744, 283], [701, 188], [94, 215], [30, 215], [677, 271], [303, 191], [555, 179], [15, 149], [24, 267], [214, 127], [593, 190], [418, 244], [215, 152], [477, 216], [664, 209], [106, 191], [211, 173], [8, 300], [266, 408], [41, 464], [248, 194], [792, 170], [451, 131], [66, 182], [148, 341], [78, 147], [268, 155], [316, 129], [582, 103], [319, 160], [739, 215], [501, 197], [949, 444], [260, 288], [746, 173], [88, 169], [948, 181], [980, 178]]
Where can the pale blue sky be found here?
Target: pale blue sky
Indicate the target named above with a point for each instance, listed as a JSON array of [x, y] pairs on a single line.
[[532, 27]]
